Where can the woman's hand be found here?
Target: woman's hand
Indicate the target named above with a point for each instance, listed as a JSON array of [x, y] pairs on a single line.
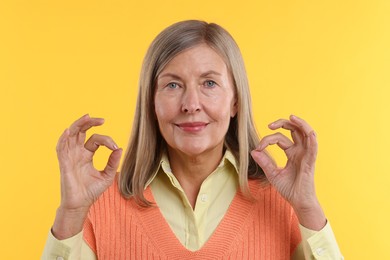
[[81, 183], [295, 182]]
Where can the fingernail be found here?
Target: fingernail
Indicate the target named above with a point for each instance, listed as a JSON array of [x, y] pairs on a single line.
[[115, 147]]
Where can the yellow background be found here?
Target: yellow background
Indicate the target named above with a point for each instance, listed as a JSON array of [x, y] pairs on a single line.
[[327, 61]]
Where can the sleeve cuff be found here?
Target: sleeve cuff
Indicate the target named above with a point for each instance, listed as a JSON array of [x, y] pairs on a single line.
[[320, 244], [61, 249]]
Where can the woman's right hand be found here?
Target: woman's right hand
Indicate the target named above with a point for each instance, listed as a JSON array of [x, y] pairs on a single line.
[[81, 183]]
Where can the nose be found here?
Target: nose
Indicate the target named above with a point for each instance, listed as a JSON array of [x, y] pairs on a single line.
[[190, 101]]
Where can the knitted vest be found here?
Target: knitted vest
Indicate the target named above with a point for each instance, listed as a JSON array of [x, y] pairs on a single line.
[[264, 228]]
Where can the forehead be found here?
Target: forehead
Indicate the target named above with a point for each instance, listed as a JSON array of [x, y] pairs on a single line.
[[199, 58]]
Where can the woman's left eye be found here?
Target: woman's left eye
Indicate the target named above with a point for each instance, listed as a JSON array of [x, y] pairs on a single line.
[[172, 85], [210, 83]]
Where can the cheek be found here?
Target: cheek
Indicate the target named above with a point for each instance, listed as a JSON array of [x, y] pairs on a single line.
[[229, 112], [222, 116], [233, 109], [160, 114], [225, 109], [164, 112]]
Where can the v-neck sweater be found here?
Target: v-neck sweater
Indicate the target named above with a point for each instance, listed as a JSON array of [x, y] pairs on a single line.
[[263, 228]]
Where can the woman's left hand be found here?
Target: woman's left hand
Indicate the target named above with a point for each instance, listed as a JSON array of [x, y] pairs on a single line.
[[295, 181]]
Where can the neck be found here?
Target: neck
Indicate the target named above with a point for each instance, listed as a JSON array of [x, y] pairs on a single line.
[[192, 170]]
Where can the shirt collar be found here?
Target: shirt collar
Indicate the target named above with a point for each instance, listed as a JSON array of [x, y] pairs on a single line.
[[166, 167]]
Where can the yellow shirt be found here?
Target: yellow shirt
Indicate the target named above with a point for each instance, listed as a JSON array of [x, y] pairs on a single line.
[[193, 227]]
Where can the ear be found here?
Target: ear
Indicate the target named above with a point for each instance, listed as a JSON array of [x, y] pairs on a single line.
[[234, 109]]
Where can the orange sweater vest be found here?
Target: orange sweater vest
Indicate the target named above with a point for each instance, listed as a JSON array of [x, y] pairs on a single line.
[[265, 228]]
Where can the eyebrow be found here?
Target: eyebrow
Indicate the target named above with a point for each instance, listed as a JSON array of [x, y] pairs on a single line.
[[203, 75], [171, 75], [210, 72]]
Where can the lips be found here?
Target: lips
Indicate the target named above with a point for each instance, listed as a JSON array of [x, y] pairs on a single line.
[[192, 126]]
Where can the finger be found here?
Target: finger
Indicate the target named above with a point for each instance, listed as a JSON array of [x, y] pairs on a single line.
[[83, 129], [80, 126], [288, 125], [113, 162], [279, 139], [265, 161], [84, 123], [61, 149], [307, 131], [282, 123], [312, 150], [62, 142], [97, 140], [302, 125]]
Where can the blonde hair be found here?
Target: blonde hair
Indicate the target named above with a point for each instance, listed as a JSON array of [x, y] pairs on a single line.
[[147, 145]]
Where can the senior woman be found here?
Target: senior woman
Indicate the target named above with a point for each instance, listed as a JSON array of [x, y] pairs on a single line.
[[196, 182]]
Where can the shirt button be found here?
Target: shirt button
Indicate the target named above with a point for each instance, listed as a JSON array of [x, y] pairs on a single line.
[[59, 258], [320, 251], [203, 197]]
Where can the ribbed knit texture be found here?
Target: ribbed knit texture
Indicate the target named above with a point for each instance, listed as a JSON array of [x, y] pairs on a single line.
[[266, 228]]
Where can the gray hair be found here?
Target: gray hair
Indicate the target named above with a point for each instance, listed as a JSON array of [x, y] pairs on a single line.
[[146, 145]]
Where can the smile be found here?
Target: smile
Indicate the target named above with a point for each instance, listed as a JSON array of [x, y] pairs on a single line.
[[192, 126]]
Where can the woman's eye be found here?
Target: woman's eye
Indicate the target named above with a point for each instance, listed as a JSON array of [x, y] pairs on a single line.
[[210, 83], [172, 85]]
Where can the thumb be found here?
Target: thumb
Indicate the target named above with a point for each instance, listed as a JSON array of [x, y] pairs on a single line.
[[265, 161], [113, 162]]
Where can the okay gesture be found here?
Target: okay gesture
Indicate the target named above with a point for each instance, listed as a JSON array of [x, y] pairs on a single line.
[[295, 181]]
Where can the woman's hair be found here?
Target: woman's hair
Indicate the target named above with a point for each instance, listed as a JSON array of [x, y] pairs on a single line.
[[147, 145]]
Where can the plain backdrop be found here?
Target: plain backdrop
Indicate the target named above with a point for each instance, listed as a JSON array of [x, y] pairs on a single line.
[[326, 61]]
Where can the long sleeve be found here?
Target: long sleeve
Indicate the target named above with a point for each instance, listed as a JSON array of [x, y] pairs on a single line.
[[317, 245], [73, 248]]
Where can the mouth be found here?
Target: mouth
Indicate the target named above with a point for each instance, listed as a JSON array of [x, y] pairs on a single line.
[[192, 126]]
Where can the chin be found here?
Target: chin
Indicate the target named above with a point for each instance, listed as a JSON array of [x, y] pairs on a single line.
[[196, 149], [193, 150]]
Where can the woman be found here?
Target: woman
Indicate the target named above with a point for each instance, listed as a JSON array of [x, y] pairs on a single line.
[[196, 182]]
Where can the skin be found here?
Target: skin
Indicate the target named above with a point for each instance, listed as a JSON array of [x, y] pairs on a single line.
[[81, 183], [294, 181], [194, 101]]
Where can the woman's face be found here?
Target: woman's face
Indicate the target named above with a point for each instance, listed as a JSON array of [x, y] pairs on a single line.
[[194, 101]]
